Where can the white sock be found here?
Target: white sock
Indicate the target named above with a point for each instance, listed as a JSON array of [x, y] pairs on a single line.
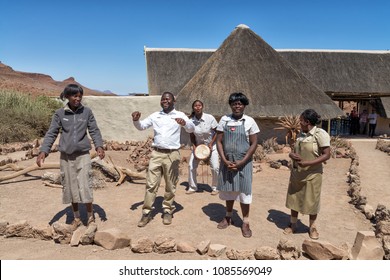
[[229, 214], [293, 220], [246, 220]]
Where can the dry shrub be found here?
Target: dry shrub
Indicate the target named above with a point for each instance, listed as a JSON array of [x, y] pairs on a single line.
[[259, 154], [383, 146], [270, 145], [292, 125], [336, 144]]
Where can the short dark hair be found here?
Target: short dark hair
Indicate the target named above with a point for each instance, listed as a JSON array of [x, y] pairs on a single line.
[[238, 96], [71, 89], [170, 93], [311, 116]]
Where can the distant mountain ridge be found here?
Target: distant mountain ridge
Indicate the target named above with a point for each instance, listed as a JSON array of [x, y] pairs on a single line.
[[39, 84]]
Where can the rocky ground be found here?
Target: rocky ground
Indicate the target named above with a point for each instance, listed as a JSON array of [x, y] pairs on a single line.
[[197, 215]]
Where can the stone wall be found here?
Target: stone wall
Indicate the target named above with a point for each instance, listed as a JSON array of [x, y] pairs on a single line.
[[113, 115]]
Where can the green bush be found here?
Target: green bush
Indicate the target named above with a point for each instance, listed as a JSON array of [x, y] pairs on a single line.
[[25, 118]]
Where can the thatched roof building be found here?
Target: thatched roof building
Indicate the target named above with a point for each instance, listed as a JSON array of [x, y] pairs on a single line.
[[347, 75], [341, 74], [246, 63], [171, 69]]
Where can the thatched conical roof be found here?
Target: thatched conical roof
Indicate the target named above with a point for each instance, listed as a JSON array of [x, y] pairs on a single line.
[[246, 63]]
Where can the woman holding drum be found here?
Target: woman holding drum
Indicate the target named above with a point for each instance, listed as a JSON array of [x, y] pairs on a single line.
[[203, 141]]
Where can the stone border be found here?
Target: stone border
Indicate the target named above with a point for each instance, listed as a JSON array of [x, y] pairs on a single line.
[[379, 217]]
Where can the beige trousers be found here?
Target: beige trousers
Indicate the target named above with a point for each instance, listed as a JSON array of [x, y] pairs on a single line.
[[162, 164]]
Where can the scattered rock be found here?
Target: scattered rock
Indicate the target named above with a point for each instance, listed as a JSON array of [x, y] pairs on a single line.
[[143, 245], [203, 247], [322, 250], [89, 236], [164, 245], [62, 233], [185, 247], [266, 253], [112, 239], [216, 250], [76, 236], [3, 226], [367, 247], [233, 254], [288, 250]]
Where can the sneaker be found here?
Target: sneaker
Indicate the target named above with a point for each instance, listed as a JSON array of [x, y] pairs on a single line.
[[227, 221], [313, 233], [246, 231], [90, 220], [214, 192], [76, 223], [167, 219], [144, 220], [290, 229]]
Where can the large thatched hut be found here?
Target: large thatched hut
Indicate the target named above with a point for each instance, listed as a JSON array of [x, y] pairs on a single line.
[[246, 63]]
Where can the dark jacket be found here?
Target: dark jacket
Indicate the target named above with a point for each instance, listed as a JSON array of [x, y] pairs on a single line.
[[74, 127]]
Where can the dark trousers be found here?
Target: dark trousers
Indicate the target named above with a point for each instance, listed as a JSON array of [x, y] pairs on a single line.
[[371, 129], [362, 127], [354, 126]]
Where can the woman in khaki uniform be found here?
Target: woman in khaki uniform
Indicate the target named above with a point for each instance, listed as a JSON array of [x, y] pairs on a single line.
[[311, 149]]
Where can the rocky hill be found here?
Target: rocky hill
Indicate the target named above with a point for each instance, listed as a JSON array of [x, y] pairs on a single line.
[[37, 84]]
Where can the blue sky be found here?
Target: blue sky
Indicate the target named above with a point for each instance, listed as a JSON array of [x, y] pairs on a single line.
[[101, 43]]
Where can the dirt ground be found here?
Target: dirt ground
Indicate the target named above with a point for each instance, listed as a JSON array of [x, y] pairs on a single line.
[[197, 215]]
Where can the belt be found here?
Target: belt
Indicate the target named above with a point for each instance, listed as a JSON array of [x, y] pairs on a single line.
[[165, 150]]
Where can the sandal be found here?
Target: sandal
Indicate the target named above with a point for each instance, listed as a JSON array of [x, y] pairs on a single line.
[[290, 229], [246, 231], [313, 233], [227, 221], [75, 224]]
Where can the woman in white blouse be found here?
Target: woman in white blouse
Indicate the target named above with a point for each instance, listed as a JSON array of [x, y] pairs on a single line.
[[204, 133]]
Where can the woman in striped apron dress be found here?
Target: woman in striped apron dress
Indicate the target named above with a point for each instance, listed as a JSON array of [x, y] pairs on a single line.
[[236, 144], [311, 149]]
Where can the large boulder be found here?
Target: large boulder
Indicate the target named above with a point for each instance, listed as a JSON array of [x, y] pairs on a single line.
[[112, 239]]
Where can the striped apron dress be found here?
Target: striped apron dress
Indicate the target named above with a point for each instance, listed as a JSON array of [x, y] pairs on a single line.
[[235, 146], [304, 188]]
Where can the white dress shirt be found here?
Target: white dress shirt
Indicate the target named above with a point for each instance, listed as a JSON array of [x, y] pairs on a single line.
[[166, 129]]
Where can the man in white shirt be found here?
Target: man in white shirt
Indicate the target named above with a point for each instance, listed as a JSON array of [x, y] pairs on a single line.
[[165, 158], [372, 118]]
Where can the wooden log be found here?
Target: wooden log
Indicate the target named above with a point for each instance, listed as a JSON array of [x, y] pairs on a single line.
[[107, 168], [12, 166], [110, 170], [29, 169], [114, 171], [51, 185]]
